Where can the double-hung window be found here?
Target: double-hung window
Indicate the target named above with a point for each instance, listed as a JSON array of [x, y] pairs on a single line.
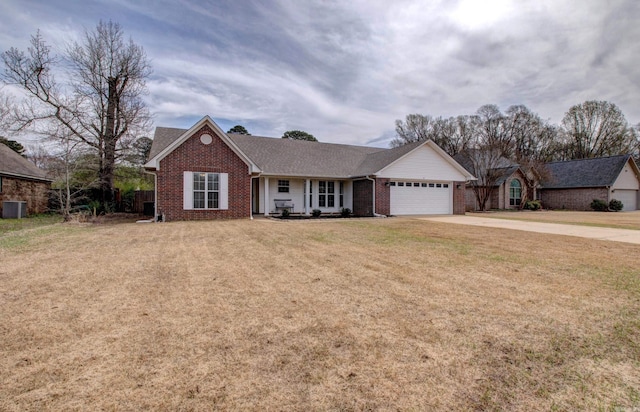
[[283, 186], [205, 191], [326, 193]]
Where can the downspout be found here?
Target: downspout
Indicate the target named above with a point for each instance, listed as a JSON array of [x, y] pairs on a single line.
[[373, 183], [251, 198]]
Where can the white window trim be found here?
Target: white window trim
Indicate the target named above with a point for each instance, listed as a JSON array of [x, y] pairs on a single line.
[[284, 184], [515, 201], [326, 194], [223, 191]]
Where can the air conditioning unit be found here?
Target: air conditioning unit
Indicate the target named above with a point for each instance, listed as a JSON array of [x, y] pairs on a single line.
[[14, 209]]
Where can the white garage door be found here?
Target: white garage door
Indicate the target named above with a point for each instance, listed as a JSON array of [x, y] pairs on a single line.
[[629, 198], [421, 198]]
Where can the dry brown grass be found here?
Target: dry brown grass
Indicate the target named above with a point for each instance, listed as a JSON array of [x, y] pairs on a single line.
[[390, 314], [622, 220]]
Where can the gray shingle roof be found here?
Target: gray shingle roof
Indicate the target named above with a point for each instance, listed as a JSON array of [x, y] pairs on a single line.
[[11, 163], [298, 157], [599, 172], [302, 158], [377, 160], [162, 138]]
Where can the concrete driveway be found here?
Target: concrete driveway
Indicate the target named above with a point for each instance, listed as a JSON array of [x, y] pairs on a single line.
[[600, 233]]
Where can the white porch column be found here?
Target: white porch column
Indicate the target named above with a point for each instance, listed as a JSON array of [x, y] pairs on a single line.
[[266, 196], [307, 188]]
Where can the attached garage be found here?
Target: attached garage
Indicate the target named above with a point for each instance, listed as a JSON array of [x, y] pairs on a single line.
[[421, 198], [425, 181], [629, 198]]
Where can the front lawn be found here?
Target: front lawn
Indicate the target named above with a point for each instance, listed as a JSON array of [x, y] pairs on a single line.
[[362, 314], [11, 225]]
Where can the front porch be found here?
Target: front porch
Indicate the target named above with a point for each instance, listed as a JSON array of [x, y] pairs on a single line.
[[270, 195]]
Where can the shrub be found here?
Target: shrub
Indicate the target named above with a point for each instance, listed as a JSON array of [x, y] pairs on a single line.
[[316, 212], [599, 205], [285, 213], [533, 205], [345, 212], [615, 205]]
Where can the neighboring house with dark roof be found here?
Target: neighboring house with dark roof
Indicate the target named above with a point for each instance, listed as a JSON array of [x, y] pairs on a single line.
[[574, 184], [204, 173], [511, 185], [21, 180]]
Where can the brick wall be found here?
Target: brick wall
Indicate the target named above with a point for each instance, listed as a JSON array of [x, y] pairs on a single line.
[[362, 196], [194, 156], [383, 196], [572, 199], [459, 198], [470, 199], [35, 193]]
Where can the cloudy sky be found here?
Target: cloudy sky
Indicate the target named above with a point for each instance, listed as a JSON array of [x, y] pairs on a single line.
[[346, 70]]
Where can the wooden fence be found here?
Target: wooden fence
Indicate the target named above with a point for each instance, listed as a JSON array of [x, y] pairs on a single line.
[[140, 198]]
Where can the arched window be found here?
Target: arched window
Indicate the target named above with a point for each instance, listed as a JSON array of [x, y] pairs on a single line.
[[515, 193]]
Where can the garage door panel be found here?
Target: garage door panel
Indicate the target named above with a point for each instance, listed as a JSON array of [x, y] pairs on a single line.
[[419, 200], [629, 198]]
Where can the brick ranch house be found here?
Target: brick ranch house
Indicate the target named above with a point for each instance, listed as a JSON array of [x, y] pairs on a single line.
[[204, 173], [574, 184], [21, 180]]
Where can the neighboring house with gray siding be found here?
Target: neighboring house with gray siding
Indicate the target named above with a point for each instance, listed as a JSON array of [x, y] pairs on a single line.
[[575, 184], [21, 180]]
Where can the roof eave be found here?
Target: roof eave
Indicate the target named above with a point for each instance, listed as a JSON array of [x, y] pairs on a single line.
[[21, 176], [302, 176]]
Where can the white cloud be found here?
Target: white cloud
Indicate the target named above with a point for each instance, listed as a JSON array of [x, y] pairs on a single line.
[[345, 71]]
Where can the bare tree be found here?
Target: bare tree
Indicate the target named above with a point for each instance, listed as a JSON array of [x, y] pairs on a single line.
[[487, 143], [4, 111], [70, 165], [415, 128], [596, 129], [98, 106], [453, 135], [532, 138]]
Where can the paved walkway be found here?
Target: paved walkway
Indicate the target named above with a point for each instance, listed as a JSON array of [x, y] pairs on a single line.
[[601, 233]]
